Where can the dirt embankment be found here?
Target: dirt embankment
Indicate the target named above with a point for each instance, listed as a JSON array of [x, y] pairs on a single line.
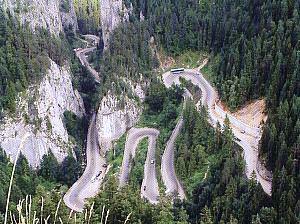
[[253, 113]]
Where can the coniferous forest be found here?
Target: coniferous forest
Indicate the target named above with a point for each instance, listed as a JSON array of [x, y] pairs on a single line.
[[254, 53]]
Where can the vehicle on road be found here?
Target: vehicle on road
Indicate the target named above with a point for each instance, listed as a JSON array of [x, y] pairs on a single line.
[[237, 139], [97, 176], [144, 188], [105, 165], [177, 70], [243, 131], [152, 161]]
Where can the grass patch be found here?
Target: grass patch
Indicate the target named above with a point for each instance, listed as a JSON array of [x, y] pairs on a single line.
[[190, 59], [115, 156], [193, 181], [137, 172], [208, 71]]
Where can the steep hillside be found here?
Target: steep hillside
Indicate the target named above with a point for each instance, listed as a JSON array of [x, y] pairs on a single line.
[[88, 14], [38, 120], [52, 16], [36, 84], [212, 156], [112, 14], [101, 16]]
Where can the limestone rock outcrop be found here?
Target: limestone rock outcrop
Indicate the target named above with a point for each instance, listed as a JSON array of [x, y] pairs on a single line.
[[113, 12], [115, 116], [68, 17], [42, 14], [38, 122]]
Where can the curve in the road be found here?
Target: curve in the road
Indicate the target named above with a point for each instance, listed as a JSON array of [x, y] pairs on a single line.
[[149, 188], [81, 53], [88, 184], [173, 186], [248, 136]]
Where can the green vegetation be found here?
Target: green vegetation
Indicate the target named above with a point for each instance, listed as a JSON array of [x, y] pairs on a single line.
[[115, 156], [137, 172], [85, 83], [208, 71], [255, 53], [24, 57], [127, 201], [163, 107], [43, 183], [196, 147], [190, 59], [254, 48], [65, 173], [223, 195], [88, 15], [65, 6], [126, 58], [77, 128]]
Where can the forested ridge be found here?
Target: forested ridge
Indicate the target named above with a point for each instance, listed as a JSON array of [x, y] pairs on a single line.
[[212, 167], [255, 52], [88, 15], [24, 57]]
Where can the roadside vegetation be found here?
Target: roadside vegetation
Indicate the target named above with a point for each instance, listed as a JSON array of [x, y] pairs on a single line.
[[22, 59], [190, 59], [254, 49], [211, 167], [162, 109], [137, 170], [186, 59]]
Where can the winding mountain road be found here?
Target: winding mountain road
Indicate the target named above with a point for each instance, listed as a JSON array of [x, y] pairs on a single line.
[[82, 55], [89, 183], [173, 186], [249, 136], [149, 188]]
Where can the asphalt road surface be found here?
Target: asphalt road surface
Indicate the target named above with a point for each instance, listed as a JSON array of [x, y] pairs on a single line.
[[82, 55], [173, 186], [149, 188], [89, 183], [249, 136]]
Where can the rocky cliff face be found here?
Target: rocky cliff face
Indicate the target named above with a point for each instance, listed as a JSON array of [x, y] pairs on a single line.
[[42, 14], [114, 117], [68, 17], [38, 122], [113, 12]]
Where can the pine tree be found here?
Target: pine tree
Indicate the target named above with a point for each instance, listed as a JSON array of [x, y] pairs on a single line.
[[206, 217]]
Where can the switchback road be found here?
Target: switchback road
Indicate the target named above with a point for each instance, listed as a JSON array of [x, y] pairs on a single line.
[[249, 136], [82, 55], [89, 183], [167, 165], [149, 188], [173, 185]]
